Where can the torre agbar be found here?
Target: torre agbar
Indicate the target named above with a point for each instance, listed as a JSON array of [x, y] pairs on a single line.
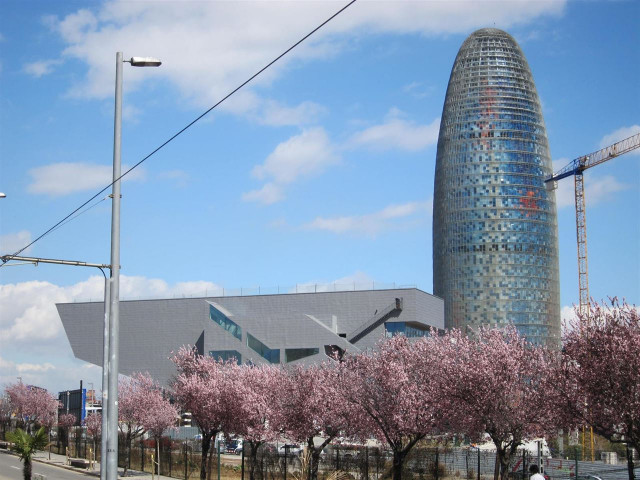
[[495, 235]]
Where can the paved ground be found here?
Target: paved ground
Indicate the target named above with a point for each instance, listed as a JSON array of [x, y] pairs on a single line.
[[57, 469]]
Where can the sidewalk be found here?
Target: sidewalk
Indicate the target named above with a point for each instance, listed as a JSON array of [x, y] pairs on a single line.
[[61, 461]]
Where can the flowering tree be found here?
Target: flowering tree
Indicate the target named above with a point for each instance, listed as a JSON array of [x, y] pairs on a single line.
[[599, 380], [18, 395], [33, 405], [254, 386], [306, 405], [388, 397], [5, 413], [204, 387], [493, 383], [160, 416], [65, 422], [93, 423], [133, 394]]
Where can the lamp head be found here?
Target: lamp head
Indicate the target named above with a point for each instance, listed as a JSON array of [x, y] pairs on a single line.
[[144, 62]]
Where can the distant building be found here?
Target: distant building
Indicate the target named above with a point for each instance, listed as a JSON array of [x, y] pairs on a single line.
[[276, 329], [495, 235], [73, 402]]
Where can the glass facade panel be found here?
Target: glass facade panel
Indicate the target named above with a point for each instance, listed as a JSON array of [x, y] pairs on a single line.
[[495, 234], [293, 354], [391, 329], [222, 320], [226, 355], [272, 355]]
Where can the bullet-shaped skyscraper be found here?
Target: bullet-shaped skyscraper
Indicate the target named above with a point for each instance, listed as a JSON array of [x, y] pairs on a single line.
[[495, 235]]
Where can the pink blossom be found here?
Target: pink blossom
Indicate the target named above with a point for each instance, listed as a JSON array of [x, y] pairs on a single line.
[[205, 387], [493, 382]]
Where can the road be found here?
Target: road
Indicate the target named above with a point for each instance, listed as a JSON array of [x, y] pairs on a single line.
[[11, 469]]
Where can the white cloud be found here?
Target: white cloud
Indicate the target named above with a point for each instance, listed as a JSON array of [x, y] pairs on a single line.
[[65, 178], [304, 155], [29, 312], [418, 89], [621, 134], [41, 68], [208, 48], [397, 133], [598, 189], [270, 193], [12, 242], [34, 345], [34, 367], [568, 318], [275, 114], [180, 178], [373, 223], [357, 281]]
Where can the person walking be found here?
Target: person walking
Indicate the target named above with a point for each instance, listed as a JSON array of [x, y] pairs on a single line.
[[534, 470]]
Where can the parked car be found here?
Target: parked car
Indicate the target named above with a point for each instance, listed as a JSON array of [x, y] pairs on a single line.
[[233, 445], [290, 449]]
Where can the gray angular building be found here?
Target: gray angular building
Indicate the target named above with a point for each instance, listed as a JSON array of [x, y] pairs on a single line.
[[495, 238], [276, 329]]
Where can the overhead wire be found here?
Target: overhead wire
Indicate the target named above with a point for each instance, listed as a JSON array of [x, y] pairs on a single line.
[[68, 218], [79, 213]]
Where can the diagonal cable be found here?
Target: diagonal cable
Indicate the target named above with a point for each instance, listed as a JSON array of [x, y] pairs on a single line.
[[197, 119]]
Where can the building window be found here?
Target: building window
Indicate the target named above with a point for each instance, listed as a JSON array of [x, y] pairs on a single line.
[[222, 320], [272, 355], [226, 355], [293, 354], [391, 329]]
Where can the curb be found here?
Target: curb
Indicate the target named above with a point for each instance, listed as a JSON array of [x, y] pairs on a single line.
[[58, 464]]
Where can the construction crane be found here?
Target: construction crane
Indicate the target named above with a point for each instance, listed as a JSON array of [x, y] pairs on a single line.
[[576, 168]]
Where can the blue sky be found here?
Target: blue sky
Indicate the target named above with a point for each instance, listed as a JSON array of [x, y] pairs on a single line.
[[320, 171]]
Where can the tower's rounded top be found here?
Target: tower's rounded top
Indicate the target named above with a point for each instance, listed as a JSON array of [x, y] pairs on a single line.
[[491, 32], [490, 37]]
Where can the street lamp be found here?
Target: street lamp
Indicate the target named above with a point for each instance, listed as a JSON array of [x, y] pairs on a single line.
[[111, 429]]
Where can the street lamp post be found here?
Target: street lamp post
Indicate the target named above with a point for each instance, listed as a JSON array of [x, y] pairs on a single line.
[[114, 281]]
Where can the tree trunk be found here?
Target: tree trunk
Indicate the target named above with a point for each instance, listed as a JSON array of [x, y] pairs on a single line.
[[26, 470], [398, 462], [253, 458], [206, 446], [158, 456], [127, 453], [630, 466], [503, 458], [315, 463]]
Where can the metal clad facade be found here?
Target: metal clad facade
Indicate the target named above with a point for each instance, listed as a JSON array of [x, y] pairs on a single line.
[[495, 236]]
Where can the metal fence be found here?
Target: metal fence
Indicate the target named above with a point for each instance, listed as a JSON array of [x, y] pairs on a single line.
[[181, 459]]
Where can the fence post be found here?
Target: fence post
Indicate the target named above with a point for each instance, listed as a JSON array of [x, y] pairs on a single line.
[[242, 463], [219, 460], [170, 457], [478, 464], [576, 452], [337, 458], [185, 459], [366, 464], [437, 463], [286, 449]]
